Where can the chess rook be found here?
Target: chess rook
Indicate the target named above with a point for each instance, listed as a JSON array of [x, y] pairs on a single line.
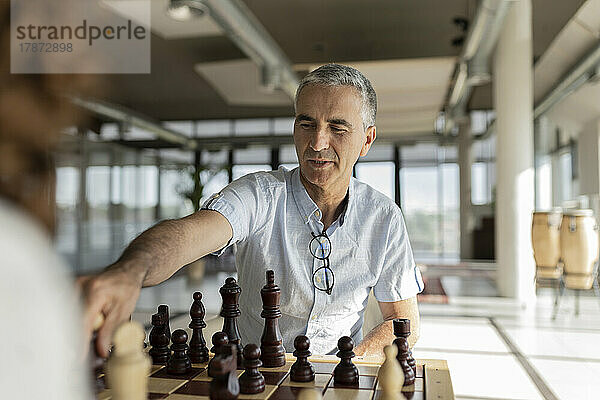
[[302, 370], [252, 381], [230, 311], [219, 339], [402, 329], [198, 351], [225, 385], [179, 363], [345, 372], [271, 342], [159, 340], [402, 357]]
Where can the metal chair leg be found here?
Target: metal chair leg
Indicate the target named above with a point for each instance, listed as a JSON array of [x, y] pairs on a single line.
[[559, 294], [577, 302], [596, 286]]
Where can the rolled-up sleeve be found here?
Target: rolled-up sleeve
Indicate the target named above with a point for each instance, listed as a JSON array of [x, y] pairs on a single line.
[[400, 277], [237, 202]]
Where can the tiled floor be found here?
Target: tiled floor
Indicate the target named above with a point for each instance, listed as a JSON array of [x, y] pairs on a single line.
[[496, 349]]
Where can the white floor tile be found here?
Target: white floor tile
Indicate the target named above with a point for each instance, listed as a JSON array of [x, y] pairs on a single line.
[[486, 376], [569, 379], [468, 334], [563, 343]]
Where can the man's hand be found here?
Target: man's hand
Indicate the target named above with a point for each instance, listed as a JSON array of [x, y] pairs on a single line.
[[112, 295]]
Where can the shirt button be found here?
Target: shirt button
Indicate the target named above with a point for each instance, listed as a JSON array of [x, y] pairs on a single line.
[[313, 317], [318, 279], [317, 213]]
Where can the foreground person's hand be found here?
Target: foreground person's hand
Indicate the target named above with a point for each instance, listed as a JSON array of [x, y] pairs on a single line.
[[109, 299]]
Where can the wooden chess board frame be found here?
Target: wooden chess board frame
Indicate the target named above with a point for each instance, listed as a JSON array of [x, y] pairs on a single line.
[[433, 382]]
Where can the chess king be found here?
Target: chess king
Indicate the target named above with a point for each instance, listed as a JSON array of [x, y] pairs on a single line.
[[329, 238]]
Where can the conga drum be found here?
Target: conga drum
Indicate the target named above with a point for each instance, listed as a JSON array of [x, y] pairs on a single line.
[[579, 248], [545, 238]]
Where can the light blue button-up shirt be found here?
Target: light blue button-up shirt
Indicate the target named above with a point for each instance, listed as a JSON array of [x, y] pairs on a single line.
[[273, 216]]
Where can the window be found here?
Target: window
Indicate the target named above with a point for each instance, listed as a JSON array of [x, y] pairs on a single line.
[[379, 175], [544, 184]]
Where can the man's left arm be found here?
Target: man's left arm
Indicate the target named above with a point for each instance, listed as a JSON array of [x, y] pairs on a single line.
[[383, 334]]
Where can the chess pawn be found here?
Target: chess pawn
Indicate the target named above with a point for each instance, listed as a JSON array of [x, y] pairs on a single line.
[[309, 394], [302, 370], [219, 340], [403, 349], [128, 368], [271, 342], [402, 329], [390, 375], [179, 363], [159, 341], [345, 372], [198, 351], [230, 311], [252, 381], [225, 385]]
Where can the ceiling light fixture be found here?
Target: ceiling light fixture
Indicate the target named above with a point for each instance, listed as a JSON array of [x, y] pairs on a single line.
[[185, 10]]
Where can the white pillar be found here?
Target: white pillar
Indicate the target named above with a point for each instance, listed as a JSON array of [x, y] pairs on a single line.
[[513, 98], [465, 161]]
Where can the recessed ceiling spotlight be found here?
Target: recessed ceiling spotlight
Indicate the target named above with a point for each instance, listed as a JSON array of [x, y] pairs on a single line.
[[185, 10]]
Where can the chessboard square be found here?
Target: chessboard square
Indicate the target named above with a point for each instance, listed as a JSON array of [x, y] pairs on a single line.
[[162, 373], [104, 395], [323, 368], [155, 367], [200, 365], [407, 395], [370, 370], [283, 368], [203, 376], [286, 393], [274, 378], [364, 382], [186, 397], [157, 396], [262, 395], [320, 381], [195, 388], [163, 385], [347, 394]]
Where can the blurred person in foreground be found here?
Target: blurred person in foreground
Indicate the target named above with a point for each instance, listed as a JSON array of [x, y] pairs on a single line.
[[41, 323]]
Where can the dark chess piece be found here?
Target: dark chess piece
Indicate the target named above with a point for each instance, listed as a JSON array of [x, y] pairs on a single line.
[[198, 351], [164, 309], [271, 343], [345, 372], [252, 381], [179, 363], [96, 366], [230, 311], [225, 385], [159, 340], [402, 357], [402, 329], [302, 370], [219, 340]]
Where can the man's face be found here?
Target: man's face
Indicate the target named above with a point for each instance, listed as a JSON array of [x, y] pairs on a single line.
[[329, 134]]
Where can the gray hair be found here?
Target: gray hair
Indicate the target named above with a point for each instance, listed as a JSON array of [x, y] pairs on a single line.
[[343, 75]]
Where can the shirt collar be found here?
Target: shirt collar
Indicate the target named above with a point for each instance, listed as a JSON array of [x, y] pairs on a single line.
[[307, 207]]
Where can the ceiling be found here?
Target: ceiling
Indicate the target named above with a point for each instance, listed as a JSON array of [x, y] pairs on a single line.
[[404, 47]]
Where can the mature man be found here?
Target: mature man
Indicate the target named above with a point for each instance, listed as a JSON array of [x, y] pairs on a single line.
[[329, 238]]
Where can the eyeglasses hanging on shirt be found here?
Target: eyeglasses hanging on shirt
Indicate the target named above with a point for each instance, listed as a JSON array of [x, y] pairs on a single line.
[[320, 248]]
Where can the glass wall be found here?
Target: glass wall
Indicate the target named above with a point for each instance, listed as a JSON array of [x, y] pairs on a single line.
[[127, 190]]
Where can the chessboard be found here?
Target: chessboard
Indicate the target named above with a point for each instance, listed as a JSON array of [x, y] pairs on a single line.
[[432, 382]]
